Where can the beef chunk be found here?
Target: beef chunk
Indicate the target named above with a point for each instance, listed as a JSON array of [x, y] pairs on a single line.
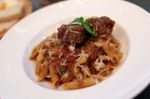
[[102, 26], [77, 34], [94, 53], [71, 34]]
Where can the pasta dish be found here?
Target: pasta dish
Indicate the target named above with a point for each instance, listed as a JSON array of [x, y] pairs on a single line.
[[80, 54]]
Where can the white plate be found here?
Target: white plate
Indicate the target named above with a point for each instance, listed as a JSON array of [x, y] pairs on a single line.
[[17, 79]]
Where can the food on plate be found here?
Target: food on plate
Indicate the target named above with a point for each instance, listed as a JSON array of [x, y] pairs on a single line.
[[80, 54], [11, 11]]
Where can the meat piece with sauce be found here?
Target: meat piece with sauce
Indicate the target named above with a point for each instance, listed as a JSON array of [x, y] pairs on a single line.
[[71, 34], [103, 26]]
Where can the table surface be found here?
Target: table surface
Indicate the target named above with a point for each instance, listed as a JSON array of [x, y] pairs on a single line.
[[145, 94]]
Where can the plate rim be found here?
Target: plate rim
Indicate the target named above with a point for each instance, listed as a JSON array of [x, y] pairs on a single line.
[[143, 85]]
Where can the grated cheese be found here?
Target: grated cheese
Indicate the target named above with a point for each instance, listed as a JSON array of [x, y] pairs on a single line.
[[63, 63], [78, 65], [50, 53], [60, 55], [98, 44], [82, 57], [72, 48], [105, 57], [70, 29], [99, 64]]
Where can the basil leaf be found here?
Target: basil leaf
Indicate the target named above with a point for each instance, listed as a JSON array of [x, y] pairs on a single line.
[[84, 23], [78, 21], [62, 70], [87, 20], [81, 20], [87, 27]]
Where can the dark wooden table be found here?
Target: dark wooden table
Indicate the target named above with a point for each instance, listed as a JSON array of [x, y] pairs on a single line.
[[145, 94]]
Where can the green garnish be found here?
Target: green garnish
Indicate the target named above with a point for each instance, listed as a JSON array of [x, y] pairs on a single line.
[[62, 70], [78, 21], [84, 23]]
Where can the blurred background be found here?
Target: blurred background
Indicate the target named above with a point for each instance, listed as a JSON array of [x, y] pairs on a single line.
[[40, 3]]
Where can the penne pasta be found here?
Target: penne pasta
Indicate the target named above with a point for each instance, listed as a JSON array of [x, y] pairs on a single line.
[[79, 84], [53, 75], [43, 71], [39, 60], [72, 59], [36, 50]]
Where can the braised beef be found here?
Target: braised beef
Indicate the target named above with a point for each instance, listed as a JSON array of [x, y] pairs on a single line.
[[94, 53], [103, 26], [77, 34], [92, 70], [71, 34]]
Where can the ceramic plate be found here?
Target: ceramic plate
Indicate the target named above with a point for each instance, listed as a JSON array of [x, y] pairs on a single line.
[[18, 80]]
